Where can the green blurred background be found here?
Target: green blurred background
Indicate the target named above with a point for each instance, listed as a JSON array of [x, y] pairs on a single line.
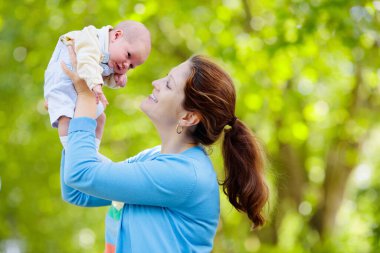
[[307, 76]]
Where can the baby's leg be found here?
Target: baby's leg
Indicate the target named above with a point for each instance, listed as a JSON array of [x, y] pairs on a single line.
[[63, 125], [63, 128], [59, 92], [100, 122]]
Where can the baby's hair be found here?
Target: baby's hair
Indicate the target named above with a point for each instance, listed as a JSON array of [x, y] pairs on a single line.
[[134, 31]]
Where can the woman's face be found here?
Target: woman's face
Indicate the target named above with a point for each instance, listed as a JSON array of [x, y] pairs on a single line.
[[164, 105]]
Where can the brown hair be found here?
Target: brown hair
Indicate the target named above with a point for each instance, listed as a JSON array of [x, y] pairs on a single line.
[[210, 92]]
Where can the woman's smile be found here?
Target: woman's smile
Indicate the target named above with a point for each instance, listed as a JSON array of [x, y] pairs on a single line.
[[153, 97]]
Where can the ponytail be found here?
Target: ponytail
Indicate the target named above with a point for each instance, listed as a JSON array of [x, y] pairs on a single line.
[[244, 182], [209, 90]]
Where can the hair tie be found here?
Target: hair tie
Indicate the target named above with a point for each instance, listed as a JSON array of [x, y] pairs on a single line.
[[231, 123]]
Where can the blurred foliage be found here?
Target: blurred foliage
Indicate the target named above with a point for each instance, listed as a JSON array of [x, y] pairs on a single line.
[[307, 76]]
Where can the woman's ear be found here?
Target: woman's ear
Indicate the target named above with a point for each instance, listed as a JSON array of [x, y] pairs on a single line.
[[190, 119]]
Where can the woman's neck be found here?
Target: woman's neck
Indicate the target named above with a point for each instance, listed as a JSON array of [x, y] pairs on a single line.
[[175, 143], [172, 149]]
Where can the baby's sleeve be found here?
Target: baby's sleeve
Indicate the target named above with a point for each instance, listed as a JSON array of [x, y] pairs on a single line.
[[88, 53]]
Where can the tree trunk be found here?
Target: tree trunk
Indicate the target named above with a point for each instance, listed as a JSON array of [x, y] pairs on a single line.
[[337, 174], [339, 165], [290, 187]]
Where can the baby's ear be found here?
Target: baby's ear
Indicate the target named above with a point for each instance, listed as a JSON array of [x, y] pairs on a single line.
[[117, 34]]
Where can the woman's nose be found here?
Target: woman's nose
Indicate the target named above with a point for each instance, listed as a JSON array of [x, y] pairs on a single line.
[[155, 84]]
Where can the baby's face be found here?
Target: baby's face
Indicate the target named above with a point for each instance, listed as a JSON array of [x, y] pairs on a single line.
[[125, 55]]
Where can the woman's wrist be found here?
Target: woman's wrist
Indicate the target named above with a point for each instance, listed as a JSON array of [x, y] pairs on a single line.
[[86, 105]]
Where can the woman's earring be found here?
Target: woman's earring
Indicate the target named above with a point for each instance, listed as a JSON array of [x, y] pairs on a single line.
[[179, 128]]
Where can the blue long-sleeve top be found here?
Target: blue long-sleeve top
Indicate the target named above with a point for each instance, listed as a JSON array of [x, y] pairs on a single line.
[[171, 200]]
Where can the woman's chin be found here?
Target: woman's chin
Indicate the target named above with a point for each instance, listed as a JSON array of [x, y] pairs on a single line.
[[144, 106]]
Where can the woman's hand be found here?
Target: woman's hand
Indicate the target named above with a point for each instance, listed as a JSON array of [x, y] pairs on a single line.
[[79, 84], [86, 100]]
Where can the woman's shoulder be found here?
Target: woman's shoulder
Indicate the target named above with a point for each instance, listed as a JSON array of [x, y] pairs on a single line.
[[147, 154], [193, 154], [198, 156], [194, 159]]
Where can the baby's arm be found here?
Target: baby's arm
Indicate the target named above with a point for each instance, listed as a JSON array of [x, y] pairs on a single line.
[[88, 58], [100, 95]]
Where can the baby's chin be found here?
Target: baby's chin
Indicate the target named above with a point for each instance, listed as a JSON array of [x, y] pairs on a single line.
[[119, 72]]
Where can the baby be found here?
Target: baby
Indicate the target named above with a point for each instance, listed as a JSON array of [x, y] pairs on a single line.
[[103, 57]]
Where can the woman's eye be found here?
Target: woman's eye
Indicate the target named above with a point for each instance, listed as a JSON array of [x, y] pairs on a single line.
[[167, 84]]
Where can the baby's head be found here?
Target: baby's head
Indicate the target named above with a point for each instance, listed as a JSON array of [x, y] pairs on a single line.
[[129, 46]]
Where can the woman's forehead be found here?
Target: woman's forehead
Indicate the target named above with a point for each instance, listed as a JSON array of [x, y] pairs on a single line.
[[181, 71]]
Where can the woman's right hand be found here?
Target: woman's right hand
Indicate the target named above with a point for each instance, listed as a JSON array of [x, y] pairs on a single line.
[[79, 84], [86, 101]]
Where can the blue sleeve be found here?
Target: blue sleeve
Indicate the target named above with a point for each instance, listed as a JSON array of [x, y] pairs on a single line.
[[76, 197], [165, 181]]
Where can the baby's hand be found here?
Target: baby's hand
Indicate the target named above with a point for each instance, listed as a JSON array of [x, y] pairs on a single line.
[[100, 95], [120, 80]]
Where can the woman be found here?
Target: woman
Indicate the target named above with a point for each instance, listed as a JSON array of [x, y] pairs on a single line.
[[170, 193]]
